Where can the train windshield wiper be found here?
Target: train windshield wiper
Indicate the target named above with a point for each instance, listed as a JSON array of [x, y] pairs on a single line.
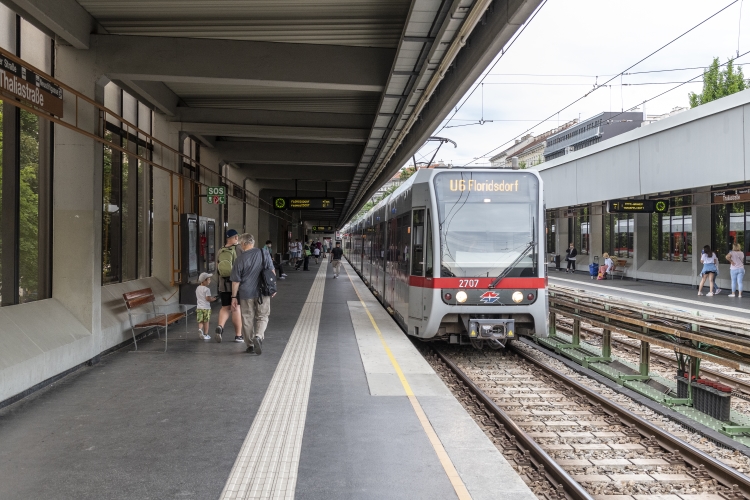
[[513, 264]]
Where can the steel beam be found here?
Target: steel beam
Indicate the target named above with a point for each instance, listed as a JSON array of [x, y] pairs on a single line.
[[272, 118], [282, 153], [64, 18], [244, 62], [337, 176], [286, 133], [155, 94]]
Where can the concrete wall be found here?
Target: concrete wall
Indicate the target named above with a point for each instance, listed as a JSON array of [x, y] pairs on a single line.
[[703, 147]]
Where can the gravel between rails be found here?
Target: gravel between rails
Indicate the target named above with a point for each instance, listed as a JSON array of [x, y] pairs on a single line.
[[603, 455]]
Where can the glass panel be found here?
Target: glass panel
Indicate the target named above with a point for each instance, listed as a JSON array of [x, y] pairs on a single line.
[[7, 29], [111, 215], [486, 223], [428, 248], [28, 243], [417, 237]]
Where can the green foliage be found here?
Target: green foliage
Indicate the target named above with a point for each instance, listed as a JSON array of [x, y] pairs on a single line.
[[407, 172], [28, 244], [522, 165], [718, 83], [370, 204]]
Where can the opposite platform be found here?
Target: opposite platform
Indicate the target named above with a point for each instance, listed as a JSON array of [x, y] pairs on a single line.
[[322, 413]]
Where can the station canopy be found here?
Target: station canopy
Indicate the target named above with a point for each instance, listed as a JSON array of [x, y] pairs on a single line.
[[307, 97]]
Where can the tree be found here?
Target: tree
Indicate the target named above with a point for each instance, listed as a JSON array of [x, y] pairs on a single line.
[[407, 172], [718, 83]]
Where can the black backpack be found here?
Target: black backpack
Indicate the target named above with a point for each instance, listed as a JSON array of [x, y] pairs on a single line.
[[266, 282]]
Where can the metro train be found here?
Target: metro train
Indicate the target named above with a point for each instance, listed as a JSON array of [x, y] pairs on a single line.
[[457, 255]]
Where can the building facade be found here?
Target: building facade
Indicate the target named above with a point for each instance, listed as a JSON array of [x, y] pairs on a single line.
[[591, 131]]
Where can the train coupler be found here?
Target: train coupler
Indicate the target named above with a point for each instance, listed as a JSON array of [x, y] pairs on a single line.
[[497, 329]]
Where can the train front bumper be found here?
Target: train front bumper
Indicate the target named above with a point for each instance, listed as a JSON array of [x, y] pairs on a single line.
[[495, 329]]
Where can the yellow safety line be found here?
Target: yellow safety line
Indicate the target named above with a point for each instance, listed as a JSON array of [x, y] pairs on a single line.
[[445, 460]]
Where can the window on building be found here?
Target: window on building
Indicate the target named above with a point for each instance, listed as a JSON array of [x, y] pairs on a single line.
[[672, 232], [579, 229], [730, 223], [551, 232], [25, 176], [127, 196], [617, 239]]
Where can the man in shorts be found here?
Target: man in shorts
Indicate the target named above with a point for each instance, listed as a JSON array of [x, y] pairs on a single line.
[[228, 254]]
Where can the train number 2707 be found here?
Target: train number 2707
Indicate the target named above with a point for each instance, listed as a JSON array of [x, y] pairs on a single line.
[[468, 283]]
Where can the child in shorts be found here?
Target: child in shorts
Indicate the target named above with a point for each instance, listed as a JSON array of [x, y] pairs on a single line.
[[203, 299]]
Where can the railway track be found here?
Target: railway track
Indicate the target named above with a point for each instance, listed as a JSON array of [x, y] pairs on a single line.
[[569, 441]]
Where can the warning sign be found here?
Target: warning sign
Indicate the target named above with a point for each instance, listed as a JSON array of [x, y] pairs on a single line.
[[216, 195]]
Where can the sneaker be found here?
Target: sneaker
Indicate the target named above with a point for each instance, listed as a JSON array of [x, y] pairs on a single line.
[[710, 294], [206, 337], [718, 291], [731, 295], [250, 350], [334, 276], [283, 275], [217, 334], [282, 278], [258, 345], [200, 333], [238, 338]]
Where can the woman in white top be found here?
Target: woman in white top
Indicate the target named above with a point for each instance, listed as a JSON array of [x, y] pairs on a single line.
[[709, 271], [609, 265], [736, 260]]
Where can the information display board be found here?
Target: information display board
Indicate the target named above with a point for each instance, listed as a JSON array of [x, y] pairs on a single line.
[[303, 203], [34, 88], [637, 206], [322, 229]]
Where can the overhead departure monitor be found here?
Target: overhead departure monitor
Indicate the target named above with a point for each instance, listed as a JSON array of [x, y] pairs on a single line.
[[637, 206], [303, 203]]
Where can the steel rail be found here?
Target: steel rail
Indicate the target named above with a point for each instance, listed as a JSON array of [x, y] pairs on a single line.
[[553, 471], [723, 474]]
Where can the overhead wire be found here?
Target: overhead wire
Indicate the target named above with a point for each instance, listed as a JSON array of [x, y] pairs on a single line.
[[613, 116], [612, 78]]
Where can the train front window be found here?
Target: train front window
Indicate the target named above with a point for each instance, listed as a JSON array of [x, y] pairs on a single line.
[[486, 221]]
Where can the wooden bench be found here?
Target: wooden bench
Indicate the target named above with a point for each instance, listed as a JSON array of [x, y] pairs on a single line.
[[139, 300]]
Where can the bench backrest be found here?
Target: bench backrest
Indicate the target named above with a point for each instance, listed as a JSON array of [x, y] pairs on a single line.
[[138, 298]]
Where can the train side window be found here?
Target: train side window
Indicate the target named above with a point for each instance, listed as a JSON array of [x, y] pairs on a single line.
[[417, 242]]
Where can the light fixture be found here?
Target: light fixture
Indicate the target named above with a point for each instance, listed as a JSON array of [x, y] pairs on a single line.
[[461, 296], [487, 200], [517, 297], [448, 296]]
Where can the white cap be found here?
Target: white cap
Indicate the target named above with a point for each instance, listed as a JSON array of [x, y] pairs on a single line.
[[204, 276]]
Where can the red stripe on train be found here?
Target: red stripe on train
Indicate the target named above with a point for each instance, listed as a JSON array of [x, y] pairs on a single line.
[[476, 282]]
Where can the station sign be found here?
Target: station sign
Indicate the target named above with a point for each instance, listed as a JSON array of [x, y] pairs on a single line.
[[303, 203], [30, 87], [216, 195], [322, 229], [734, 196], [637, 206]]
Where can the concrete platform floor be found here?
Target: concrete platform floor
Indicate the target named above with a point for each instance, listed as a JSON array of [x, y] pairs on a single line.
[[149, 425], [683, 297]]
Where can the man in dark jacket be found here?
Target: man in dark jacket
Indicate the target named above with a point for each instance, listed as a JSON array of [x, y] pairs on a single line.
[[570, 256], [246, 276]]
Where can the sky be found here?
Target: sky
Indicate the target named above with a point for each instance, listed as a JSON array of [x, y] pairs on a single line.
[[583, 42]]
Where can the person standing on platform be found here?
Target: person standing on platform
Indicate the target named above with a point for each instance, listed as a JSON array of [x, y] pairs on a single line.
[[736, 260], [305, 258], [336, 255], [316, 252], [203, 301], [570, 256], [246, 278], [709, 261], [225, 260], [278, 269], [292, 252]]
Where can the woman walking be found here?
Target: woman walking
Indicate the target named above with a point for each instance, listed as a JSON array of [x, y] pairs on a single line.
[[736, 260], [709, 261], [570, 256]]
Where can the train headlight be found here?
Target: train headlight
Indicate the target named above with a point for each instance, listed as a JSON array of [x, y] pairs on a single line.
[[461, 296], [517, 297]]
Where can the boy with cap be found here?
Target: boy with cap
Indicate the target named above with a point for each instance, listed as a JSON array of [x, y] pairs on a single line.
[[203, 299], [226, 257]]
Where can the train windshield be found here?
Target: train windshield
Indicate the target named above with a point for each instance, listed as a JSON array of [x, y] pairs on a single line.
[[486, 221]]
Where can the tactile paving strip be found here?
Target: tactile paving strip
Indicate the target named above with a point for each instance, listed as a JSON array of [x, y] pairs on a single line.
[[268, 461]]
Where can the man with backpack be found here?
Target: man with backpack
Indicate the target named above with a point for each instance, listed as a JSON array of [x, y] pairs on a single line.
[[225, 260], [253, 285]]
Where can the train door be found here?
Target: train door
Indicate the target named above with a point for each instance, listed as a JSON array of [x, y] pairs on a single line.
[[391, 267], [429, 250], [416, 277]]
